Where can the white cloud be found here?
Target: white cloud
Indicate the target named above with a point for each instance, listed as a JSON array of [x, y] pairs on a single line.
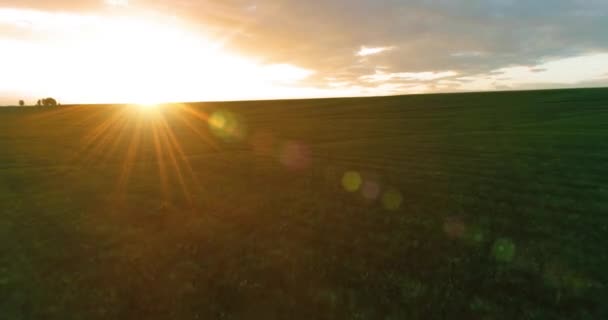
[[365, 51]]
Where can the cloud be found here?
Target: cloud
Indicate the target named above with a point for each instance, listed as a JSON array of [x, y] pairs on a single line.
[[539, 69], [568, 72], [467, 54], [365, 51], [467, 37]]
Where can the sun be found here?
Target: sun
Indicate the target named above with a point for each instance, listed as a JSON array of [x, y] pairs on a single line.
[[147, 108], [148, 105]]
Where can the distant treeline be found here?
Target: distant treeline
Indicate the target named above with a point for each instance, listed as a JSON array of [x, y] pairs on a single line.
[[46, 102]]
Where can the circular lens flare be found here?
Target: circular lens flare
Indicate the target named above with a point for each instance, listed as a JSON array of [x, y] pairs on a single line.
[[352, 181]]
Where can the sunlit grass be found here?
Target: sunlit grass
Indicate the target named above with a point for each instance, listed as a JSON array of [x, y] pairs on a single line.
[[123, 135], [429, 200]]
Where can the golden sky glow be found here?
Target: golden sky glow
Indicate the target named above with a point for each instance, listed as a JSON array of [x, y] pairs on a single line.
[[113, 51], [135, 59]]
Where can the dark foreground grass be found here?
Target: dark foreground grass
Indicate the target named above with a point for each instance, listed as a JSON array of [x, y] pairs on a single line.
[[468, 206]]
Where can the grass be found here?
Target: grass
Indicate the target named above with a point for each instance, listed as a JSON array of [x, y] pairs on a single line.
[[463, 206]]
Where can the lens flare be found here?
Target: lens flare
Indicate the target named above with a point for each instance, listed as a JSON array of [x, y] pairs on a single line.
[[370, 190], [295, 156], [142, 135], [351, 181], [226, 125]]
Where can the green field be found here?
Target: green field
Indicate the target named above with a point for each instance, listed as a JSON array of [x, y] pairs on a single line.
[[454, 206]]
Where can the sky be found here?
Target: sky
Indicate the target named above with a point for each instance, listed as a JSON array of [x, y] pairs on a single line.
[[149, 51]]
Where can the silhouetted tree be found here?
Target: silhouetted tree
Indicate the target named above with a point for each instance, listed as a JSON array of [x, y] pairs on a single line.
[[49, 102], [39, 103], [21, 103]]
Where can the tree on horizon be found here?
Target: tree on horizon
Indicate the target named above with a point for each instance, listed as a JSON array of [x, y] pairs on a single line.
[[21, 103], [49, 102]]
